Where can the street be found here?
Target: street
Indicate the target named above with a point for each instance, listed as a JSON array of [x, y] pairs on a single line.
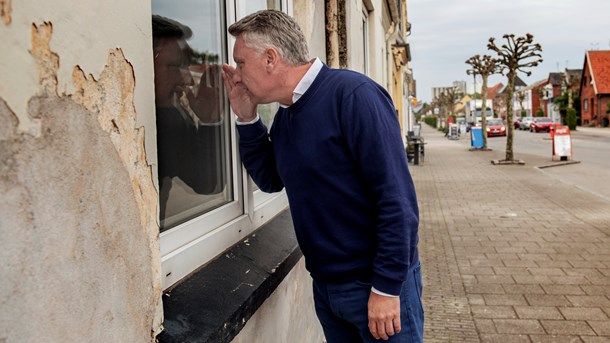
[[590, 147], [512, 253]]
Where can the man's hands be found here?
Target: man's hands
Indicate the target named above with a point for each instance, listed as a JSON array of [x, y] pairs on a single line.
[[384, 316], [239, 97]]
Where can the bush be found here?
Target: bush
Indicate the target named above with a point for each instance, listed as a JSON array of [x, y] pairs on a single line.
[[523, 113], [571, 118], [430, 121], [539, 112]]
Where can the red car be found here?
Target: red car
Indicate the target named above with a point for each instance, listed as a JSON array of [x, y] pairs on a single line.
[[496, 127], [541, 124], [517, 123]]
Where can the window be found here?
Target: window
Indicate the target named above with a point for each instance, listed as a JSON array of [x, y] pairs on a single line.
[[365, 42], [206, 202], [191, 110], [586, 105]]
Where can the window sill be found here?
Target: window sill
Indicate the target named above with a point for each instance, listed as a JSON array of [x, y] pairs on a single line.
[[214, 303]]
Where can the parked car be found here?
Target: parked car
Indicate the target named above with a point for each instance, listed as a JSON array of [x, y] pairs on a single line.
[[517, 123], [496, 127], [525, 123], [541, 124]]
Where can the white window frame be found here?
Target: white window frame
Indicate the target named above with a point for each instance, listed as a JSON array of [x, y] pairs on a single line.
[[192, 244]]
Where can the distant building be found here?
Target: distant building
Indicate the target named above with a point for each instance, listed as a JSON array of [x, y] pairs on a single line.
[[595, 89]]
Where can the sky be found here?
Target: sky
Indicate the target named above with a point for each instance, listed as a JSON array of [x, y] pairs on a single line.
[[445, 33]]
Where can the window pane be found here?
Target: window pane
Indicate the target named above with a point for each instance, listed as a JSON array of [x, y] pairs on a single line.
[[193, 136]]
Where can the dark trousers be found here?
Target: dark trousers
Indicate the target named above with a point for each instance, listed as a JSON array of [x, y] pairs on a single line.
[[342, 309]]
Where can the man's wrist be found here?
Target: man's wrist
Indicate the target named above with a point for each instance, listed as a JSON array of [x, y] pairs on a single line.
[[239, 121]]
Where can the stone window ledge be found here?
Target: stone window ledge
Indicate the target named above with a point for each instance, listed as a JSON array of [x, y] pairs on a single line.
[[215, 303]]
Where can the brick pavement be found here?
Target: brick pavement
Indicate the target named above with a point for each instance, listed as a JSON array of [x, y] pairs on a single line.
[[509, 254]]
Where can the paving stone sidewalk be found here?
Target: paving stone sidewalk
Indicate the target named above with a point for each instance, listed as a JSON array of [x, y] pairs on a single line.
[[509, 254]]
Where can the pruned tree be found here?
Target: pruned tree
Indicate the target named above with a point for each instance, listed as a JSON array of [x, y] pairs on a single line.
[[516, 55], [483, 65]]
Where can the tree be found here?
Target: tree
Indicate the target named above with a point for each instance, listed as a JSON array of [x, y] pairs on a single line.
[[516, 55], [483, 66]]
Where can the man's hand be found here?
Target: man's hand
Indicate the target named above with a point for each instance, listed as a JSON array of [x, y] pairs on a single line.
[[240, 98], [384, 316], [209, 103]]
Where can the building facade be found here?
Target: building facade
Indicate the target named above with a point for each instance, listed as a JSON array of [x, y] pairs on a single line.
[[595, 89], [104, 238]]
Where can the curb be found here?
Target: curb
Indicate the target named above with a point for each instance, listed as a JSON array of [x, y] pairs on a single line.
[[562, 163]]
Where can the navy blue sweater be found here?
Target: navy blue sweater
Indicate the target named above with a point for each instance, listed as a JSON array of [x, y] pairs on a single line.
[[338, 152]]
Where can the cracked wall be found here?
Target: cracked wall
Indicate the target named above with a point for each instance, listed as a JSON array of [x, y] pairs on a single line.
[[78, 212]]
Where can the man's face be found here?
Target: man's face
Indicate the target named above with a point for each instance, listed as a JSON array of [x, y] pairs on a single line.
[[251, 71], [171, 72]]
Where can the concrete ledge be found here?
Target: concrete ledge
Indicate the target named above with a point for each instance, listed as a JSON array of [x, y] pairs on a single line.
[[215, 303], [507, 162]]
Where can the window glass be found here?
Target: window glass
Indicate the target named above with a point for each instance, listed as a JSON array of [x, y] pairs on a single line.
[[192, 114]]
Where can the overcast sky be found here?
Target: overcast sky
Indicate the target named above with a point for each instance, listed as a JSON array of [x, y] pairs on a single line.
[[445, 33]]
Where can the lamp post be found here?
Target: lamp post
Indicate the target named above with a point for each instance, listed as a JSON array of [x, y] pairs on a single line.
[[474, 91]]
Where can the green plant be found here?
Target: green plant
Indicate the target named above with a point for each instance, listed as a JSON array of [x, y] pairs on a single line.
[[539, 112], [571, 118], [430, 121], [523, 113]]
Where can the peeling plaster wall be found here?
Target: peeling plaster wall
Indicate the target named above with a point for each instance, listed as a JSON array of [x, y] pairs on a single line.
[[78, 207]]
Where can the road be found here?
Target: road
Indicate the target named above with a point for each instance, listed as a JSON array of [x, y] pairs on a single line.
[[590, 147]]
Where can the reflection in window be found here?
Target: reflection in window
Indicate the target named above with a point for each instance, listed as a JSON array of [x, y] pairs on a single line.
[[191, 109]]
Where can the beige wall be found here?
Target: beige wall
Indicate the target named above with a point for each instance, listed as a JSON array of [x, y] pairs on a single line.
[[288, 315], [79, 248]]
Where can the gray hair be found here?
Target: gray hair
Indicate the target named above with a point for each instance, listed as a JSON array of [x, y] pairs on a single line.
[[273, 29]]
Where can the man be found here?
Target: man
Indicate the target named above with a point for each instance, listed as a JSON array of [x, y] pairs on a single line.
[[336, 146]]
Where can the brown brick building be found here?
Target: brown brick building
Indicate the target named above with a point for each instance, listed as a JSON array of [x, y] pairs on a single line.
[[595, 88]]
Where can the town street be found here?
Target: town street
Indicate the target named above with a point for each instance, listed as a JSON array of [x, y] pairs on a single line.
[[511, 253]]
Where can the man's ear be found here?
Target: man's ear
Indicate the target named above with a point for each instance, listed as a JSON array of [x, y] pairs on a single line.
[[272, 58]]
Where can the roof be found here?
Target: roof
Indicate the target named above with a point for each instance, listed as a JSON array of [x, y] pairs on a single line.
[[494, 90], [599, 66], [556, 79], [534, 85], [519, 82]]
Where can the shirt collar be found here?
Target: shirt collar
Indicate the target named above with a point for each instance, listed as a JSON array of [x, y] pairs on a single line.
[[306, 81]]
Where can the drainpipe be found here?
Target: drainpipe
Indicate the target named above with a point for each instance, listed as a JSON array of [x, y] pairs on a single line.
[[332, 34], [389, 35]]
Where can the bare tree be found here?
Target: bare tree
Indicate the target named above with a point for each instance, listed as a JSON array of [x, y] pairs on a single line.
[[516, 55], [484, 66]]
